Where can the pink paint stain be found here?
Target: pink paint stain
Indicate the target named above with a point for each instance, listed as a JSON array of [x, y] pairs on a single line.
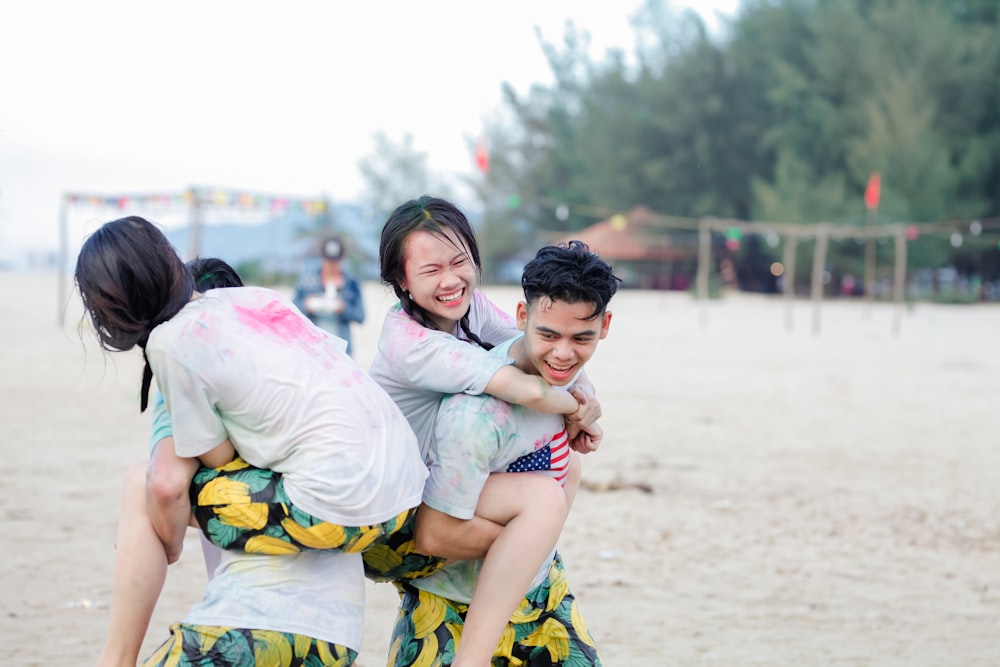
[[276, 319], [414, 329], [202, 329], [500, 412]]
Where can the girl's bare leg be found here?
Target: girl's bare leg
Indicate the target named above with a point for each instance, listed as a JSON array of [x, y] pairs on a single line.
[[140, 571], [532, 508]]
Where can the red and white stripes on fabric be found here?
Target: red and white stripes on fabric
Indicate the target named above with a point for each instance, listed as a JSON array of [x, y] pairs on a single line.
[[551, 459], [560, 457]]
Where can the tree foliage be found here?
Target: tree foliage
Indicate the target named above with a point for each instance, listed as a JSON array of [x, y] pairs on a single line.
[[396, 172], [783, 118]]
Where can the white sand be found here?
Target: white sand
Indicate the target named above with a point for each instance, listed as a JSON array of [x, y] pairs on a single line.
[[829, 499]]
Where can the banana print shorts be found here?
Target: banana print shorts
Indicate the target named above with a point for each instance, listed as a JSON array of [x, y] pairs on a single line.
[[546, 630], [191, 645], [243, 508], [396, 558]]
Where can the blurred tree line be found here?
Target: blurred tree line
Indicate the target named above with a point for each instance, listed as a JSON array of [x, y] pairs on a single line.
[[781, 119]]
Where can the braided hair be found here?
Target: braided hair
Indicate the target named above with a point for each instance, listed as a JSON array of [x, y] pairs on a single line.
[[432, 215], [131, 280]]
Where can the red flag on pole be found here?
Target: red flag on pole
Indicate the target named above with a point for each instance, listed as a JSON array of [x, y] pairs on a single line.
[[873, 190], [482, 156]]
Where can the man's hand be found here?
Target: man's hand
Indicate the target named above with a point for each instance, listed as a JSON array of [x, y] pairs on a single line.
[[585, 439], [584, 433]]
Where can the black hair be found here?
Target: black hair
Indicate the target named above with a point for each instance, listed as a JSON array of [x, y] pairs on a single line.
[[213, 273], [433, 215], [571, 273], [131, 280]]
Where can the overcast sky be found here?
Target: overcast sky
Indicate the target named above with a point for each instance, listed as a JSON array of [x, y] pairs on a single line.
[[114, 96]]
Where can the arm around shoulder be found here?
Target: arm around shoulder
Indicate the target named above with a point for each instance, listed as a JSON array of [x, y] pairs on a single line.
[[513, 385]]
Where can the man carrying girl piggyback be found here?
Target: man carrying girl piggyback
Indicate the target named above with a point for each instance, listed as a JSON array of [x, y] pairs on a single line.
[[290, 446]]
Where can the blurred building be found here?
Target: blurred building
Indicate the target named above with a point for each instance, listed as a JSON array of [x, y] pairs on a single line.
[[643, 254]]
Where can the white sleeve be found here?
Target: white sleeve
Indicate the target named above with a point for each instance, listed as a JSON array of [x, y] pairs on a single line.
[[435, 360], [189, 400]]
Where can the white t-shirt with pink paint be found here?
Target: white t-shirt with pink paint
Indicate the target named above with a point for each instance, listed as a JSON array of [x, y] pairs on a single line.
[[244, 363], [419, 366]]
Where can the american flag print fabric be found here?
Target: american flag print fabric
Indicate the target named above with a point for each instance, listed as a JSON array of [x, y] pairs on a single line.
[[552, 459]]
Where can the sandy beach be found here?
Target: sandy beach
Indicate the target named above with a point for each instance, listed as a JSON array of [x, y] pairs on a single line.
[[764, 496]]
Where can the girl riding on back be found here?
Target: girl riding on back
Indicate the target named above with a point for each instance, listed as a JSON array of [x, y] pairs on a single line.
[[326, 459], [435, 342]]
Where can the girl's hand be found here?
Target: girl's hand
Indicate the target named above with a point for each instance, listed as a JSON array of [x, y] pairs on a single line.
[[589, 410]]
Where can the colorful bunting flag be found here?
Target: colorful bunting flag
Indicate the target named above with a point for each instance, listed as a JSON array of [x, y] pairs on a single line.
[[212, 196]]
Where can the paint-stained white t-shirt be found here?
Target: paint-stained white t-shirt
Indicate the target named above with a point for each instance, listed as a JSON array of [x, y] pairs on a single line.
[[419, 366], [244, 363], [318, 594]]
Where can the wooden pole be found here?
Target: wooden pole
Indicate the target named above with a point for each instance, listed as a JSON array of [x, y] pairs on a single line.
[[819, 262], [899, 279], [788, 278], [61, 291], [704, 258], [195, 224], [870, 259]]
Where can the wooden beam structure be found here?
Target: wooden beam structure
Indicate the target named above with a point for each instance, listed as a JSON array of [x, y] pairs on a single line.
[[792, 233]]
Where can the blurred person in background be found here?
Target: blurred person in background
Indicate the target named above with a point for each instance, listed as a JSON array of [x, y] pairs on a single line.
[[329, 297]]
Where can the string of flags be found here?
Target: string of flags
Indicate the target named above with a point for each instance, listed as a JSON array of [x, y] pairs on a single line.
[[202, 196]]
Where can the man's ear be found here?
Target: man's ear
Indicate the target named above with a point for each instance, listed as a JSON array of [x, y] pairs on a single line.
[[522, 315], [605, 324]]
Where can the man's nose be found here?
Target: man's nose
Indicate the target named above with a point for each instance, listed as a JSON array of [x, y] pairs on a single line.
[[563, 350]]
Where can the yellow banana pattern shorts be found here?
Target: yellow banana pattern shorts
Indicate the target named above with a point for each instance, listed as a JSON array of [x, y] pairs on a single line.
[[546, 630], [244, 508], [198, 645], [397, 559]]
